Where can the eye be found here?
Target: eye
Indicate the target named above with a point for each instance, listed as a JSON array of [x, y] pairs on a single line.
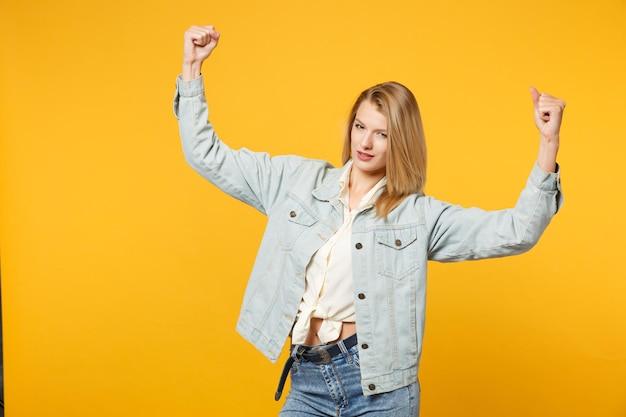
[[358, 125], [382, 135]]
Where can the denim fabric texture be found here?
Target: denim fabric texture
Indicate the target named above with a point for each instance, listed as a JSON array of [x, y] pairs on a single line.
[[334, 389], [300, 198]]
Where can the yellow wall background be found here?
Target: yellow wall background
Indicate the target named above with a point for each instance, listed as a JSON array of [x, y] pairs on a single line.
[[123, 271]]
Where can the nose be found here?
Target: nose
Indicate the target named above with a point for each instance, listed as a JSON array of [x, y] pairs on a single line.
[[366, 141]]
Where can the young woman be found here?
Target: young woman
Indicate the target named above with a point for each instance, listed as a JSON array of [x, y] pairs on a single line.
[[341, 269]]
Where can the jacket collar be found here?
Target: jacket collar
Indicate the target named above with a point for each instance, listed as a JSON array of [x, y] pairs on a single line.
[[330, 187]]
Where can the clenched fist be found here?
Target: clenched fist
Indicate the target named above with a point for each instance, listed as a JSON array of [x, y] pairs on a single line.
[[548, 113], [199, 43], [548, 117]]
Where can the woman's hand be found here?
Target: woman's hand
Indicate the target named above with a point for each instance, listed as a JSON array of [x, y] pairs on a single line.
[[199, 43], [548, 113], [548, 116]]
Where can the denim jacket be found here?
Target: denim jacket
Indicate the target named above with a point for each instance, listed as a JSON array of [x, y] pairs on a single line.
[[300, 198]]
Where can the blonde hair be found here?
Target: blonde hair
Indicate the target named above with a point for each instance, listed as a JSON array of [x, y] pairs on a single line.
[[406, 145]]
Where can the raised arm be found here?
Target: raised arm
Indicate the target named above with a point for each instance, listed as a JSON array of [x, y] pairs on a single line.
[[255, 178], [199, 43], [457, 233], [548, 116]]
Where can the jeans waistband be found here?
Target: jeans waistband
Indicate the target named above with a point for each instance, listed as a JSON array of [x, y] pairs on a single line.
[[319, 355], [322, 354]]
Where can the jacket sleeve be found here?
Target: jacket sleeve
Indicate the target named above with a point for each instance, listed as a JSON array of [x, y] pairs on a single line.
[[252, 177], [458, 233]]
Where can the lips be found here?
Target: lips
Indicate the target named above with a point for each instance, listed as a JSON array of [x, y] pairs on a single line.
[[363, 156]]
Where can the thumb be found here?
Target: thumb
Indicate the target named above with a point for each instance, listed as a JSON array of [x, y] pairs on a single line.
[[535, 95]]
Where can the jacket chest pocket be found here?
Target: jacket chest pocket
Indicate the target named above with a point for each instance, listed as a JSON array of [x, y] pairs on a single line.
[[295, 222], [396, 252]]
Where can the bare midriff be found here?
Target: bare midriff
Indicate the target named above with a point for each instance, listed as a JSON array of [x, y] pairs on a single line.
[[347, 330]]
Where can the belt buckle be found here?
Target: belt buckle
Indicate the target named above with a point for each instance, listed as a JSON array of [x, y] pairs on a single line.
[[322, 353]]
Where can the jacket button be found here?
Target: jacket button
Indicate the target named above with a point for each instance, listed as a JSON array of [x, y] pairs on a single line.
[[292, 214], [365, 346], [372, 387], [358, 246], [398, 241], [361, 296]]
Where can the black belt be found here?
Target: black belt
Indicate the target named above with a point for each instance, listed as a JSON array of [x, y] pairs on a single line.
[[319, 355]]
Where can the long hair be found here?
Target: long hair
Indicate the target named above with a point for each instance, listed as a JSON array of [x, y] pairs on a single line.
[[406, 145]]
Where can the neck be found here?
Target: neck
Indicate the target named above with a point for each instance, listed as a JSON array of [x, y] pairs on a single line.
[[360, 184]]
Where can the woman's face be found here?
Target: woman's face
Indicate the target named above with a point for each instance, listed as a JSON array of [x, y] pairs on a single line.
[[368, 140]]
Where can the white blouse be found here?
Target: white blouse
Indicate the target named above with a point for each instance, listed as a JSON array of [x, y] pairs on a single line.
[[328, 292]]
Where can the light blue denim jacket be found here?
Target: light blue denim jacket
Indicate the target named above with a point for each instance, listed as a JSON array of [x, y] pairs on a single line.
[[389, 257]]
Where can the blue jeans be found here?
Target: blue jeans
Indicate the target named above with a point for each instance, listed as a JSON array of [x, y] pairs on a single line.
[[334, 389]]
